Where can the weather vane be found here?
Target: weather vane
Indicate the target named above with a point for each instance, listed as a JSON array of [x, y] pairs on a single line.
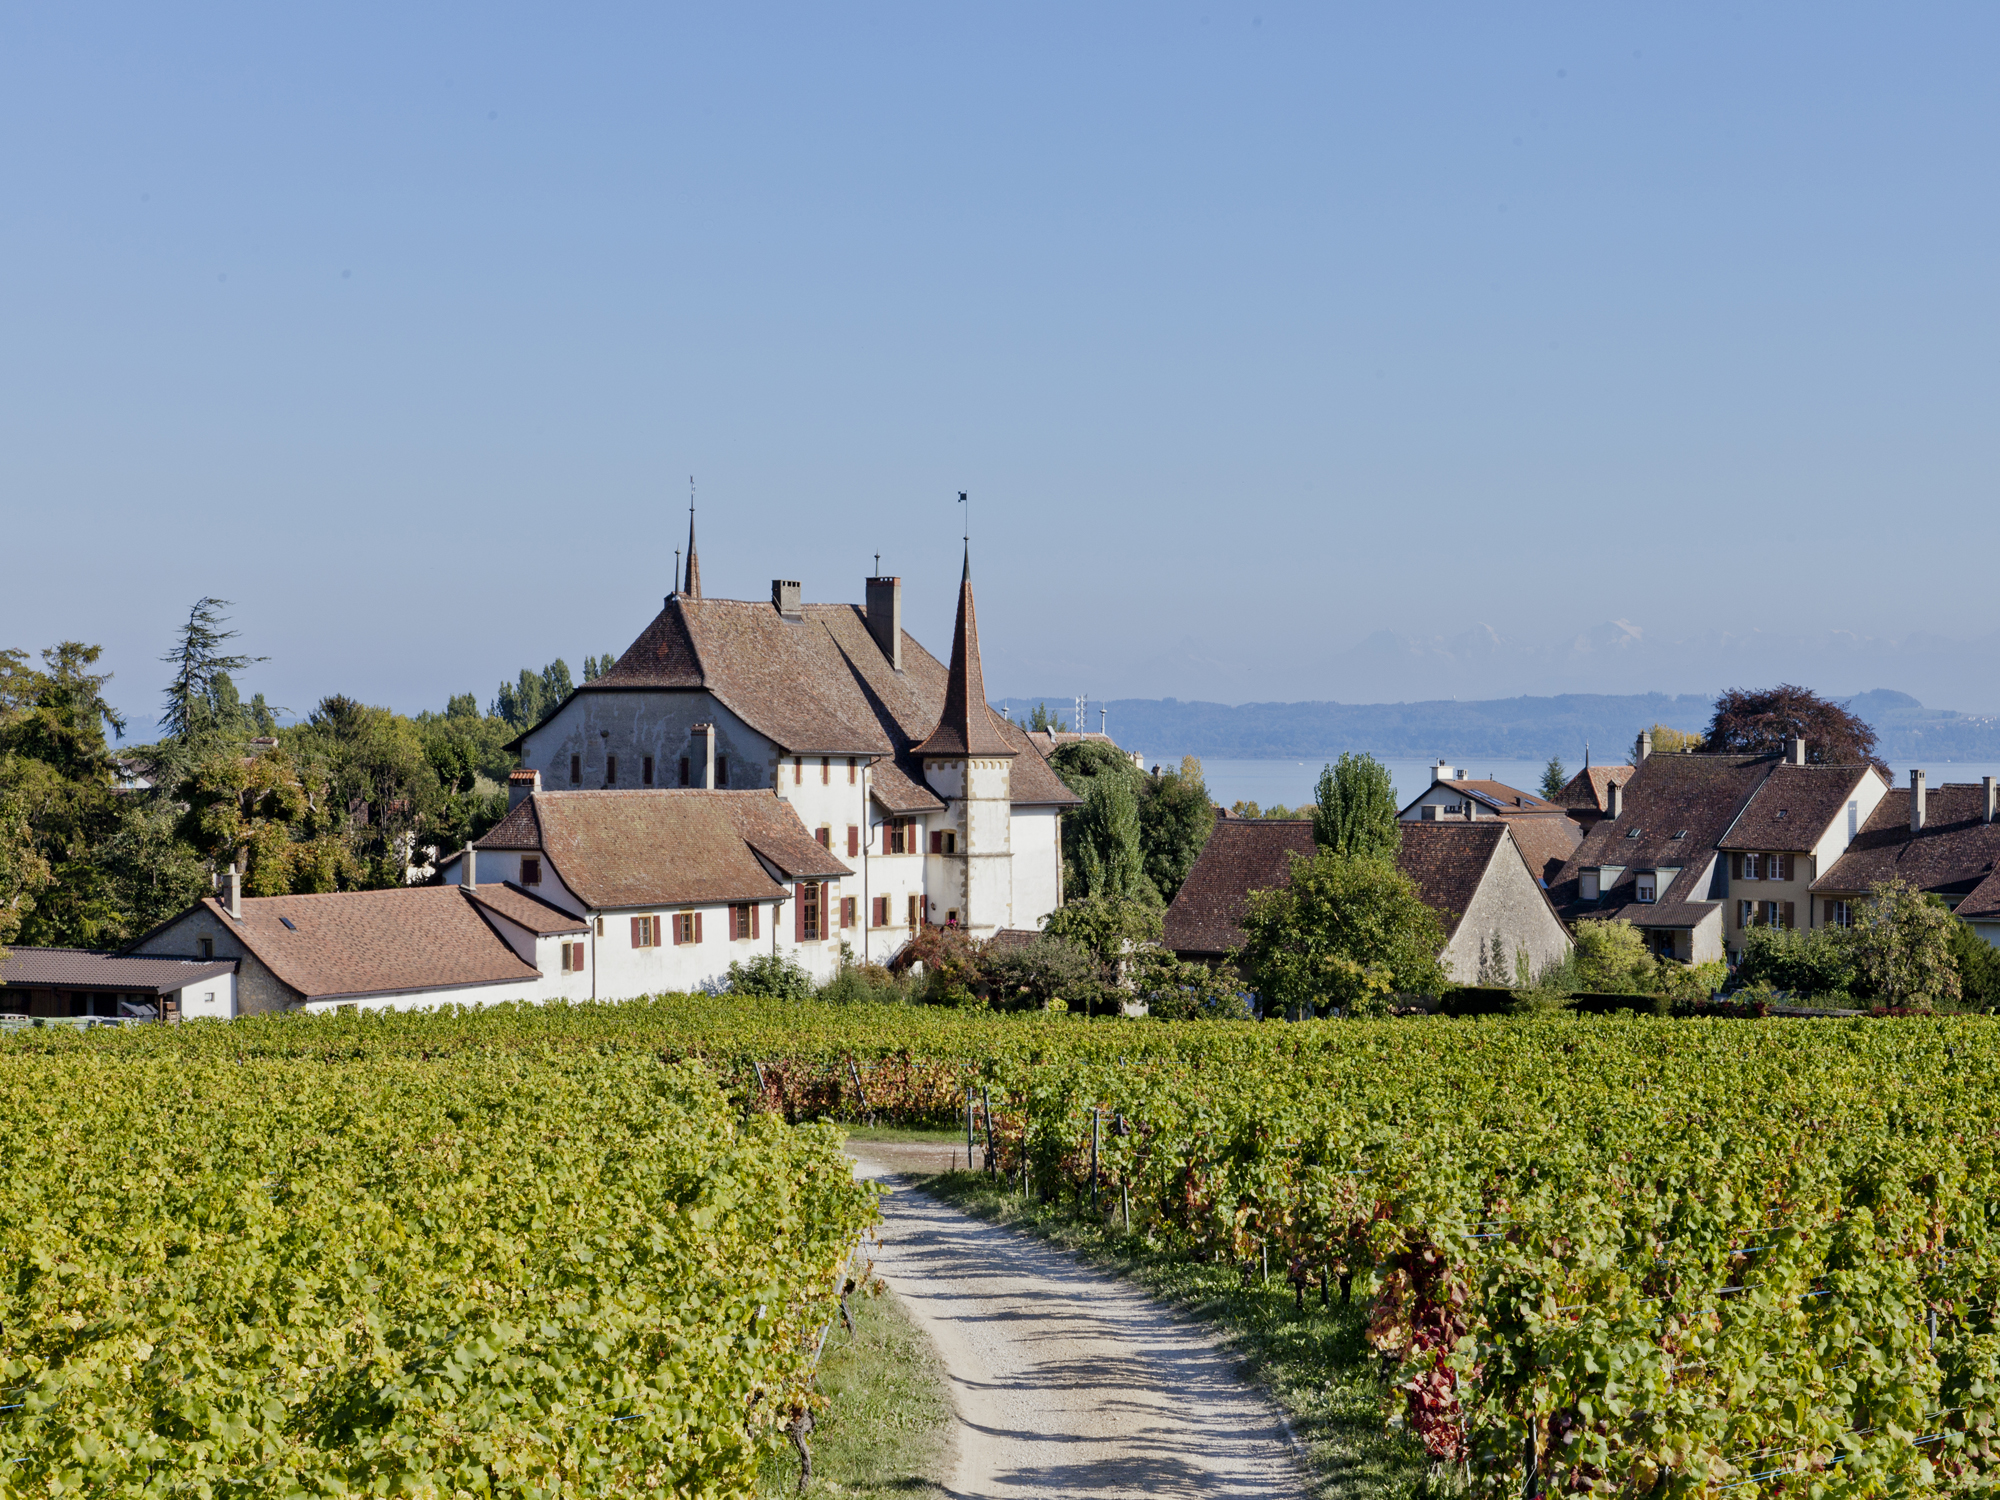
[[965, 500]]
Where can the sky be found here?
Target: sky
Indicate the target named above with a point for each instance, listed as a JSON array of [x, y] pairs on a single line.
[[1286, 352]]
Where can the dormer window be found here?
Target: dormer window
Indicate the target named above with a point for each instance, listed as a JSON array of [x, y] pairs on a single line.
[[1645, 887]]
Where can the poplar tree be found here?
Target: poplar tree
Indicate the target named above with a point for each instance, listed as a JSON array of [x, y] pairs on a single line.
[[1355, 811]]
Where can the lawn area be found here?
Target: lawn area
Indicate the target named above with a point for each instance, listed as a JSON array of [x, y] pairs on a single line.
[[885, 1430], [1315, 1364]]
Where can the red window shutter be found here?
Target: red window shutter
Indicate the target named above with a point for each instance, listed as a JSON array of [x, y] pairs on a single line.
[[697, 927], [637, 940], [853, 840], [677, 930], [1788, 873], [799, 913], [937, 843], [754, 909], [733, 933]]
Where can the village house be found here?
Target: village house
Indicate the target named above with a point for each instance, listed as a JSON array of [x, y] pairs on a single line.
[[71, 984], [1470, 873], [749, 779], [1696, 849], [1544, 833], [1944, 840]]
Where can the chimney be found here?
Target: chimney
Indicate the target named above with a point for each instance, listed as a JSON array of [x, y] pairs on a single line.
[[235, 896], [785, 595], [704, 753], [1614, 800], [1471, 808], [1987, 783], [1795, 750], [885, 617], [522, 785], [1917, 808], [1441, 771], [1645, 745], [468, 874]]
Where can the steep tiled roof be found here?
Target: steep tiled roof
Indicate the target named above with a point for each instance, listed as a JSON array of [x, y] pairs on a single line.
[[1587, 788], [1499, 797], [87, 969], [374, 942], [1242, 855], [1446, 860], [1546, 841], [1793, 807], [966, 724], [1953, 854], [666, 848], [526, 911], [1676, 809]]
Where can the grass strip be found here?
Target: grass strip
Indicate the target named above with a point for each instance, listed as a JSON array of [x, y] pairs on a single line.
[[885, 1432], [1315, 1363]]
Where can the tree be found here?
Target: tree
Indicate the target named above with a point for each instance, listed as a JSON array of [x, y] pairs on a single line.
[[1902, 948], [1666, 741], [377, 776], [1345, 933], [1049, 968], [1815, 961], [1102, 855], [202, 696], [1978, 964], [530, 699], [1244, 808], [1175, 989], [1554, 778], [1175, 820], [1106, 927], [1759, 723], [1611, 958], [1355, 811]]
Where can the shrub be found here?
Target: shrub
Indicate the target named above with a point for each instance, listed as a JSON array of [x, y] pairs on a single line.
[[1611, 958], [865, 984], [1030, 977], [1818, 962], [771, 975], [1177, 990], [1978, 964]]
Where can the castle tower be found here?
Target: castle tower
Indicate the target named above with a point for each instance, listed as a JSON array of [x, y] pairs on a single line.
[[969, 764]]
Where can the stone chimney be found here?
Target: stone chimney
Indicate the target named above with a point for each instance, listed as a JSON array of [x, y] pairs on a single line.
[[885, 617], [1986, 782], [1645, 745], [1917, 808], [785, 595], [234, 898], [1795, 751], [1614, 800], [1471, 808], [468, 875], [704, 753], [1442, 771], [521, 785]]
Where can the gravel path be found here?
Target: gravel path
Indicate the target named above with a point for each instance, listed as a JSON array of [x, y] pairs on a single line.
[[1066, 1381]]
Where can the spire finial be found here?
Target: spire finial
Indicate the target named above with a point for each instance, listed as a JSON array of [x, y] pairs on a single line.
[[966, 500], [692, 585], [878, 565]]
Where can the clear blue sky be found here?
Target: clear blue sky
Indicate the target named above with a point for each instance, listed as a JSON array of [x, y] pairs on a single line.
[[1254, 332]]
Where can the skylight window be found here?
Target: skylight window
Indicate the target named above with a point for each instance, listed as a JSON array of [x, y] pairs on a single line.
[[1680, 833], [1633, 833], [289, 923]]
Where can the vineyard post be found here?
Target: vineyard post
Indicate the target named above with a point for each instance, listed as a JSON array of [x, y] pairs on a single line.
[[859, 1092], [763, 1089], [986, 1108], [1096, 1119], [968, 1127]]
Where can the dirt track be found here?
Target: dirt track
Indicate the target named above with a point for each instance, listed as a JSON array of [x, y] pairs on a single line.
[[1067, 1381]]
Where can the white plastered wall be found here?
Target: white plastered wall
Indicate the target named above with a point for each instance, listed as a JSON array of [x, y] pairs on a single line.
[[209, 999]]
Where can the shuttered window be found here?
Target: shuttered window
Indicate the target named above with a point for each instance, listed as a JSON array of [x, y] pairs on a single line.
[[853, 840], [881, 912], [687, 927], [852, 770], [825, 836], [572, 958], [806, 922], [645, 932], [849, 911], [916, 911], [937, 843], [743, 920], [826, 770], [1786, 915]]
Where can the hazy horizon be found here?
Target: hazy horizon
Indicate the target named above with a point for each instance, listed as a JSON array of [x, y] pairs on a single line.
[[1286, 354]]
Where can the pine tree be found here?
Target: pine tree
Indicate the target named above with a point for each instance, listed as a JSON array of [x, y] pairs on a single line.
[[201, 688], [1554, 778]]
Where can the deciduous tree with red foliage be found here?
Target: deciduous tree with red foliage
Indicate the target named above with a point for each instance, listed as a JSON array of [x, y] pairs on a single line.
[[1759, 722]]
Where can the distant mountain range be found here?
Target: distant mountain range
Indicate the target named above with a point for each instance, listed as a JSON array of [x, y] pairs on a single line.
[[1498, 728]]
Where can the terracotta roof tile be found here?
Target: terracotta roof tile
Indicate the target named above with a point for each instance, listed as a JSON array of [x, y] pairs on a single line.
[[1446, 860], [666, 848], [526, 911], [966, 723], [1586, 789], [1953, 855], [1675, 809], [375, 942], [1546, 841], [1793, 806], [87, 969]]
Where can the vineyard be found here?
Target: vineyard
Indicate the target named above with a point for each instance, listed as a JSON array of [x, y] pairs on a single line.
[[247, 1272], [1627, 1255]]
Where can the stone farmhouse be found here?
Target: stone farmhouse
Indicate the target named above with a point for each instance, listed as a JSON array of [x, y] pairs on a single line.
[[750, 778], [1470, 873], [1696, 849]]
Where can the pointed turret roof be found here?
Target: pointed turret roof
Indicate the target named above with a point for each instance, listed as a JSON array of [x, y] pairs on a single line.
[[692, 585], [966, 726]]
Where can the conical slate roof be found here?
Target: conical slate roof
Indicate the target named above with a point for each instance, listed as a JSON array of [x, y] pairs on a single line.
[[966, 726]]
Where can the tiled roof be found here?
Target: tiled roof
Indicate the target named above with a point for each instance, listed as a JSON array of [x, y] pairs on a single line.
[[1587, 787], [375, 942], [87, 969], [966, 722], [1012, 939], [1546, 841], [1242, 855], [1447, 861], [526, 911], [1793, 807], [1499, 797], [1984, 902], [1953, 855], [666, 848], [1676, 808]]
